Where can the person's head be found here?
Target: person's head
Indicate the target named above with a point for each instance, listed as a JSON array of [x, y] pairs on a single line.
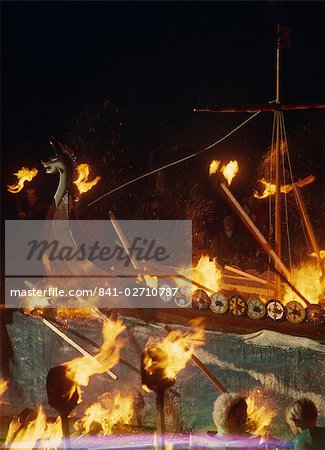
[[230, 414], [301, 414], [31, 196], [228, 223]]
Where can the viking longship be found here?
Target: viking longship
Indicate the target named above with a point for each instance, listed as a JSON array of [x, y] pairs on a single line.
[[233, 299]]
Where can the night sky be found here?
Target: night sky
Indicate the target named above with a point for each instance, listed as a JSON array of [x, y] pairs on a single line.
[[154, 62]]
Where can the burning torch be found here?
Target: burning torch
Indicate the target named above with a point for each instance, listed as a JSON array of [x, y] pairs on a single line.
[[162, 361], [153, 375], [23, 175], [63, 395]]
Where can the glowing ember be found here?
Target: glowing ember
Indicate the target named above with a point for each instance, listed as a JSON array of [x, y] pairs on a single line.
[[3, 387], [230, 170], [174, 350], [270, 188], [259, 414], [321, 254], [81, 314], [82, 368], [117, 412], [23, 175], [214, 167], [25, 434], [82, 182], [307, 278]]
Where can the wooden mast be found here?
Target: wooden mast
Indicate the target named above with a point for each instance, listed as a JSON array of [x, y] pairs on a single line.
[[278, 249], [277, 107]]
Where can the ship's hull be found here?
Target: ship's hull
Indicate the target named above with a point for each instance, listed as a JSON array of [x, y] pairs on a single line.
[[227, 323]]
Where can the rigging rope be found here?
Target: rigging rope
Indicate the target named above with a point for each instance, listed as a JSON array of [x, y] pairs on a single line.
[[271, 174], [134, 180], [270, 196], [283, 139], [292, 181]]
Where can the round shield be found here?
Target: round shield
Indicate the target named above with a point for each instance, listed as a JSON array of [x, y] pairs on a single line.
[[201, 300], [295, 312], [237, 305], [255, 308], [182, 301], [315, 314], [275, 309], [219, 303], [165, 293]]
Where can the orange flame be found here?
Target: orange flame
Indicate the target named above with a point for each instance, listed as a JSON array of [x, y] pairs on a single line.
[[230, 170], [82, 182], [25, 435], [177, 349], [82, 368], [321, 254], [23, 175], [259, 414], [81, 314], [3, 387], [206, 273], [118, 411], [214, 166], [270, 188], [307, 278]]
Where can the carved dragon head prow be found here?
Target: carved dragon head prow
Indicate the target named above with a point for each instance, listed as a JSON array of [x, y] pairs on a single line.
[[60, 163]]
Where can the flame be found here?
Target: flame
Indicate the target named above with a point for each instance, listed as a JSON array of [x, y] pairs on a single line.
[[270, 188], [206, 273], [23, 175], [307, 278], [27, 433], [230, 170], [321, 254], [82, 368], [259, 414], [214, 166], [177, 348], [151, 281], [82, 182], [3, 387], [119, 411]]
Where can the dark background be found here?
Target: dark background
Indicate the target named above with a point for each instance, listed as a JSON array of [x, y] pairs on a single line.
[[118, 82]]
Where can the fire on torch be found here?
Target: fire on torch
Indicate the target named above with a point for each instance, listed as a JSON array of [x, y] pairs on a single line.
[[162, 361], [82, 182], [24, 175]]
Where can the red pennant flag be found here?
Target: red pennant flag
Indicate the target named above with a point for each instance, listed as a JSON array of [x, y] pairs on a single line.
[[284, 36]]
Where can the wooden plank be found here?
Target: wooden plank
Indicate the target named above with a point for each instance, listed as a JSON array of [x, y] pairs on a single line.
[[249, 289]]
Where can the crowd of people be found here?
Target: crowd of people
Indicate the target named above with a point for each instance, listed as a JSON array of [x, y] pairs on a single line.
[[231, 420]]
